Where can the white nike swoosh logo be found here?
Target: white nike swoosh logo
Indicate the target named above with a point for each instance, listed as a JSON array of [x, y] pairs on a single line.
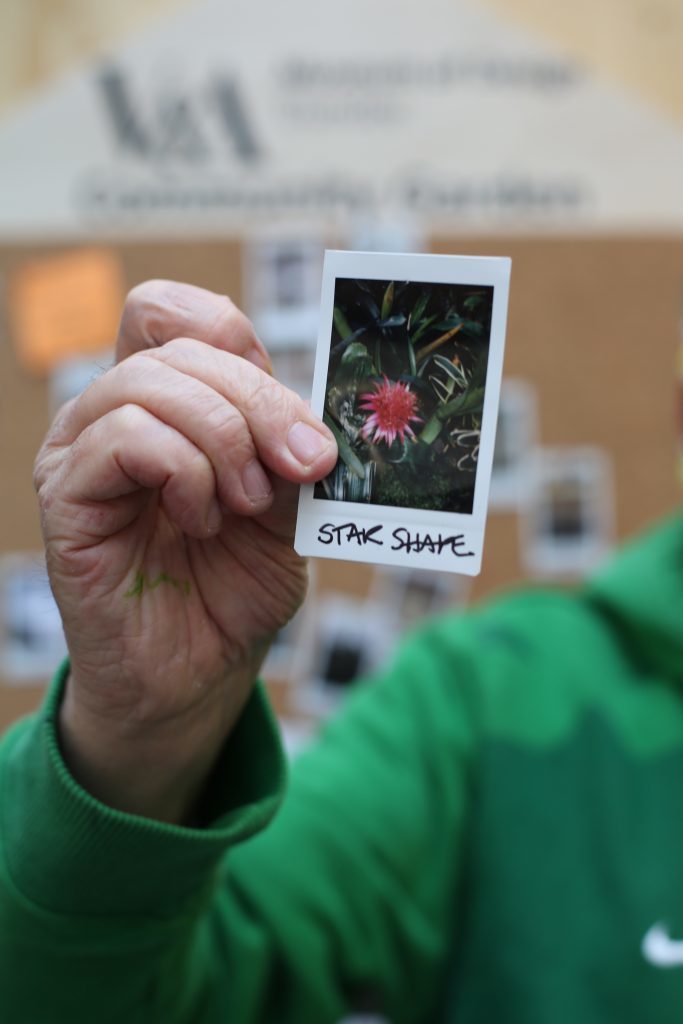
[[659, 949]]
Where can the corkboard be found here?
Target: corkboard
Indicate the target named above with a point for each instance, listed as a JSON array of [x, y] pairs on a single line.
[[593, 327]]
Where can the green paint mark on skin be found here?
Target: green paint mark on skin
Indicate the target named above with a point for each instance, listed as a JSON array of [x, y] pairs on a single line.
[[138, 586], [161, 578], [142, 583]]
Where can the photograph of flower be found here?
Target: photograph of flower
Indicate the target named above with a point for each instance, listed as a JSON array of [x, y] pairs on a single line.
[[405, 392]]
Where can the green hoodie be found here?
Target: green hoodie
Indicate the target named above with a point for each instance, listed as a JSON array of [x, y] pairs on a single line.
[[492, 831]]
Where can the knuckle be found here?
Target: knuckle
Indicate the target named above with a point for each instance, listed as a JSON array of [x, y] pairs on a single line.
[[143, 296], [40, 470], [174, 350], [145, 307], [227, 424], [260, 393], [228, 307], [46, 473], [52, 449], [237, 320], [131, 419], [135, 368], [46, 499], [59, 428], [231, 322], [182, 346]]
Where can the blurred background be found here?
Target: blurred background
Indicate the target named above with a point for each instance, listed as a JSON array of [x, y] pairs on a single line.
[[229, 143]]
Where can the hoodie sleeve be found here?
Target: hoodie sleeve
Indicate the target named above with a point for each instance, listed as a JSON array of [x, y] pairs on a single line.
[[345, 899]]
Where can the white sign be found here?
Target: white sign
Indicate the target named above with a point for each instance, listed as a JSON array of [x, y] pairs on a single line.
[[441, 112]]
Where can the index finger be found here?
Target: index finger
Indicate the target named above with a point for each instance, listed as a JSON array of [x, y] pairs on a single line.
[[158, 311]]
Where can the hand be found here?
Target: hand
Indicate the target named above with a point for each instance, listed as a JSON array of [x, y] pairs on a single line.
[[168, 496]]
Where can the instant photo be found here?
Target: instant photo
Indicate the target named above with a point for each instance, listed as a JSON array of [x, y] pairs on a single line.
[[412, 595], [407, 378], [568, 528], [282, 284], [351, 638], [31, 637], [516, 442]]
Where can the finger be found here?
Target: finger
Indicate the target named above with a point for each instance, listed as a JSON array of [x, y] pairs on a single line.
[[236, 414], [118, 456], [289, 438], [155, 312], [50, 453], [195, 410]]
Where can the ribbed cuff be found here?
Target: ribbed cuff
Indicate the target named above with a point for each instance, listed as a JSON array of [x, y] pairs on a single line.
[[68, 852]]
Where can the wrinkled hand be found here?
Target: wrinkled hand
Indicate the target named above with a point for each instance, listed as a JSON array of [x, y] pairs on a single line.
[[168, 496]]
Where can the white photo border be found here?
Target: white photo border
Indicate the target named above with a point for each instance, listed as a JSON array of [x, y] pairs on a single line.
[[389, 535]]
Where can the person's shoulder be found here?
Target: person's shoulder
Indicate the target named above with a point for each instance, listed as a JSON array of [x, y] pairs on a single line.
[[527, 663], [514, 625]]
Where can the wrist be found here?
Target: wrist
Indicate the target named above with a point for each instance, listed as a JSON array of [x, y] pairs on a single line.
[[141, 761]]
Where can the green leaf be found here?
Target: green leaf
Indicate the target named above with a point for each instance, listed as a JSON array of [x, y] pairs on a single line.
[[470, 401], [341, 323], [449, 323], [432, 430], [478, 375], [356, 362], [388, 300], [444, 391], [341, 345], [454, 372], [393, 321], [419, 331], [411, 358], [356, 350], [370, 304], [419, 307], [346, 452], [471, 302]]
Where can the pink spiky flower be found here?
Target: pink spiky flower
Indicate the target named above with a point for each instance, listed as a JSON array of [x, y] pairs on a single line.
[[393, 408]]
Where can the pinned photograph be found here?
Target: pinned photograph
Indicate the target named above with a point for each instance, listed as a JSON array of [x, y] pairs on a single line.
[[71, 377], [282, 284], [516, 442], [351, 638], [31, 638], [568, 528], [407, 378], [413, 595]]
